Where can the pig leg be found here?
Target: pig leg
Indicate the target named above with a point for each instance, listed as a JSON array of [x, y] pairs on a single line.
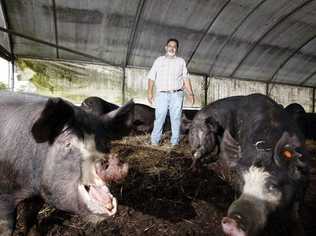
[[6, 227], [295, 225], [7, 216], [27, 211]]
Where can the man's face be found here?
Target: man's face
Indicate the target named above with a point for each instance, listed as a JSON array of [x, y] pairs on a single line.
[[171, 48]]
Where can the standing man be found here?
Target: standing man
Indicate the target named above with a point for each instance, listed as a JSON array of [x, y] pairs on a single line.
[[170, 76]]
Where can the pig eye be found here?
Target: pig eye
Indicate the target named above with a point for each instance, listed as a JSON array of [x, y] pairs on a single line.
[[287, 153], [103, 145], [272, 187]]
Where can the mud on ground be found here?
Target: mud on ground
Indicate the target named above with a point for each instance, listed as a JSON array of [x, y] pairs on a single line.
[[161, 196]]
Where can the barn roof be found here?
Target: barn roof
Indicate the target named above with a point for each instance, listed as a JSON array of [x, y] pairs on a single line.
[[262, 40]]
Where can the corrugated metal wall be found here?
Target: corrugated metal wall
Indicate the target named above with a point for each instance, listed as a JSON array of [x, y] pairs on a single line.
[[222, 87], [285, 95]]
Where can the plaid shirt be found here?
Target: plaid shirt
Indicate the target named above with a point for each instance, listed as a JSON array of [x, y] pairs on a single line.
[[168, 73]]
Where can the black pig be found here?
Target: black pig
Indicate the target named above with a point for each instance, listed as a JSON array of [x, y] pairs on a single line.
[[262, 148]]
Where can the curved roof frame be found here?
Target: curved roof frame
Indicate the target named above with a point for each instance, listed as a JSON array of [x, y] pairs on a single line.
[[218, 53], [11, 32], [282, 19], [308, 78], [133, 33], [291, 56], [207, 30], [135, 30]]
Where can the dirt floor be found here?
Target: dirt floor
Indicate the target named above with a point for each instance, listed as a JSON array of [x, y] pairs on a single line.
[[161, 196]]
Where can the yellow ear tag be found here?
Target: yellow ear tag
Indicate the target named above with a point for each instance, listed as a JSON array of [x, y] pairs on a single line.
[[287, 154]]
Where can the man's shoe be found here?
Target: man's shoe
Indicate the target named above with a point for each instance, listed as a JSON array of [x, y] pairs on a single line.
[[173, 146], [152, 144]]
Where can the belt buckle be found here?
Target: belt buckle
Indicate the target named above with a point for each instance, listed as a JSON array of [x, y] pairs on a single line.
[[171, 91]]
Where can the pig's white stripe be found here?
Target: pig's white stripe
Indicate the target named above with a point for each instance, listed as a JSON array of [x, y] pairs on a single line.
[[255, 186], [88, 148], [89, 155]]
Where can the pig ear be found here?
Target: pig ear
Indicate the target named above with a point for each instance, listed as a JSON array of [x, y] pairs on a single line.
[[212, 124], [285, 150], [288, 153], [52, 120], [230, 149], [185, 123], [120, 120], [121, 113]]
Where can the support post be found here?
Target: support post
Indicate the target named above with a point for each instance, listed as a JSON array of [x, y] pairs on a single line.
[[313, 108], [12, 75], [267, 90], [123, 85], [205, 89]]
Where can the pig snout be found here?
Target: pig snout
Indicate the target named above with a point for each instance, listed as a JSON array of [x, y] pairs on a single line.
[[245, 217], [196, 155], [232, 227], [112, 169], [203, 155]]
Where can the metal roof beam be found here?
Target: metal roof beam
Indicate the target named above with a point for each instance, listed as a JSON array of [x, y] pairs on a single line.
[[133, 33], [7, 24], [307, 78], [5, 53], [206, 31], [56, 28], [290, 56], [232, 35], [260, 81], [282, 19], [11, 32]]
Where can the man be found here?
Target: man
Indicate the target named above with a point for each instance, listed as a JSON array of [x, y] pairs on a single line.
[[170, 76]]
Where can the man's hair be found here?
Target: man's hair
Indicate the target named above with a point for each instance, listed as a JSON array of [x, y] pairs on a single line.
[[173, 40]]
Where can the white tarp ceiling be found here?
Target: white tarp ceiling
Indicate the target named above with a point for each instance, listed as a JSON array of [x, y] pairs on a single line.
[[263, 40]]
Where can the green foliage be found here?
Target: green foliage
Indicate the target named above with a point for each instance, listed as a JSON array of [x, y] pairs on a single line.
[[21, 64], [46, 69], [69, 80], [42, 82], [38, 67], [3, 86]]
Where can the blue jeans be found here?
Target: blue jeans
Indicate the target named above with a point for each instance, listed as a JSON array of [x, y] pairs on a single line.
[[167, 101]]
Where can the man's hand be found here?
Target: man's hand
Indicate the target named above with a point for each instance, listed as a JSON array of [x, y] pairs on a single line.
[[191, 98], [150, 98], [188, 87]]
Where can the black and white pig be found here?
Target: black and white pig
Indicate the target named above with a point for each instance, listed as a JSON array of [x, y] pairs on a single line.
[[55, 150], [262, 149]]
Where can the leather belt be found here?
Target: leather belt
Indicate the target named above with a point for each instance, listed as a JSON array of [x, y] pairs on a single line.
[[171, 91]]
